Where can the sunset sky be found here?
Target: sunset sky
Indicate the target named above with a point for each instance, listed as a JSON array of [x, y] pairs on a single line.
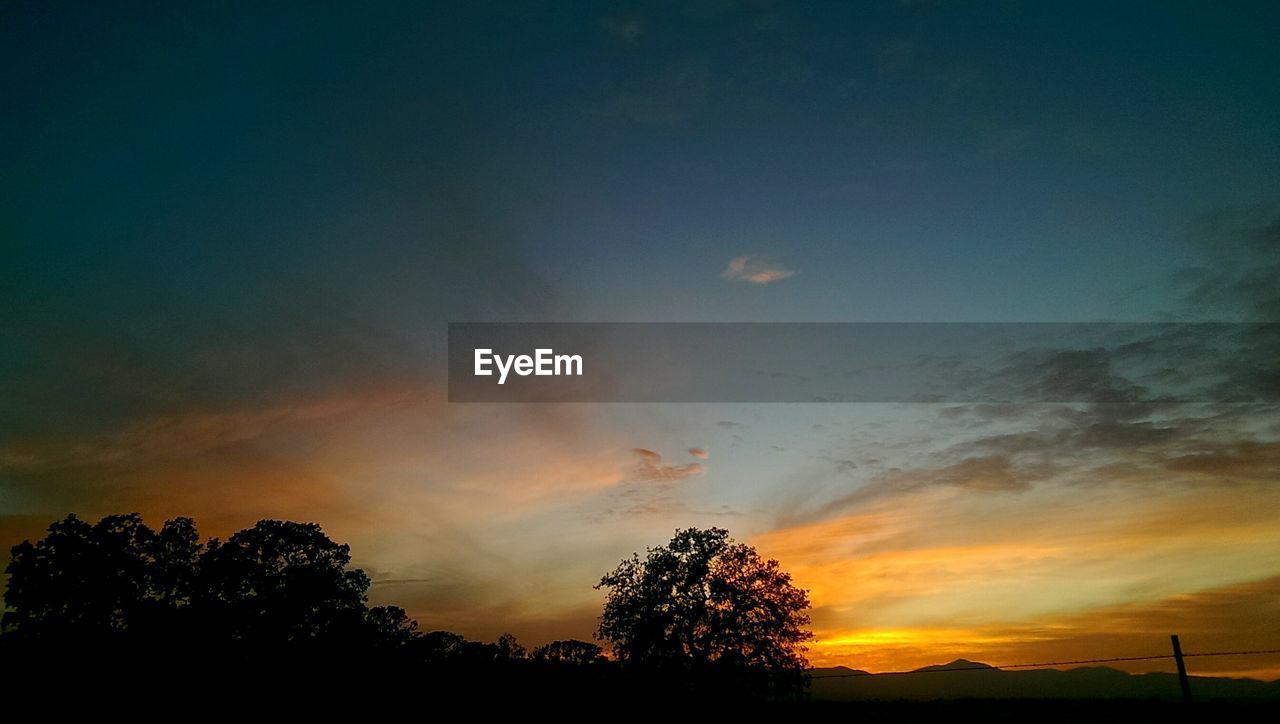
[[233, 237]]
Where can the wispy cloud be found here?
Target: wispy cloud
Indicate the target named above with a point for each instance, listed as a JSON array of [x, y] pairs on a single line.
[[628, 30], [653, 489], [1243, 249], [754, 269], [990, 474], [649, 466]]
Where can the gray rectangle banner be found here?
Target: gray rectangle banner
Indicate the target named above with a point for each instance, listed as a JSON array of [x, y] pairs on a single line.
[[864, 362]]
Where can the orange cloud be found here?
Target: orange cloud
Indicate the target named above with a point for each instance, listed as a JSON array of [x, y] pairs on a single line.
[[1248, 461], [197, 431]]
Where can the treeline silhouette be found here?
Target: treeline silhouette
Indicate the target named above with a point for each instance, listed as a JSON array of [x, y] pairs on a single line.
[[121, 605]]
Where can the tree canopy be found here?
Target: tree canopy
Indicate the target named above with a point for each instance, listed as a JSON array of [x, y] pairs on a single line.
[[112, 577], [275, 583], [705, 600], [571, 651], [284, 581], [116, 596]]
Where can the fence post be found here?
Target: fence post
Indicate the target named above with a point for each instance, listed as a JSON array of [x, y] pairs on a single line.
[[1182, 670]]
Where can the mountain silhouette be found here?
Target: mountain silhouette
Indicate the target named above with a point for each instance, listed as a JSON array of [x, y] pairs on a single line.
[[983, 681], [844, 671], [959, 664]]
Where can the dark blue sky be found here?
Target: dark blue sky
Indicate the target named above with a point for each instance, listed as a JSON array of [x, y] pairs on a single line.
[[909, 160]]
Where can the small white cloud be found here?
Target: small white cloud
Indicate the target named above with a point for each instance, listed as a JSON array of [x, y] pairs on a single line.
[[754, 269]]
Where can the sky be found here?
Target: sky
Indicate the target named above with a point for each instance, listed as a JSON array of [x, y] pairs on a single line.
[[233, 236]]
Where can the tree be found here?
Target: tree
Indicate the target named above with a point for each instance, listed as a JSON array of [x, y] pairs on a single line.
[[440, 646], [571, 651], [107, 579], [391, 626], [273, 584], [281, 581], [704, 602], [509, 648]]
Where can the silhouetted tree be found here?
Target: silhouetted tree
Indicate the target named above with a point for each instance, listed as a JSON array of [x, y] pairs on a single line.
[[391, 626], [90, 581], [440, 646], [509, 648], [274, 584], [281, 581], [570, 651], [273, 608], [281, 600], [505, 649], [175, 569], [704, 603]]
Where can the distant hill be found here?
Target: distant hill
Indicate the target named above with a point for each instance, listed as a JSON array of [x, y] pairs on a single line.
[[981, 681], [957, 664]]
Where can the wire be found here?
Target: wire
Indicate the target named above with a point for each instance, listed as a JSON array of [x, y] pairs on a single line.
[[1046, 663], [1087, 661], [1235, 653]]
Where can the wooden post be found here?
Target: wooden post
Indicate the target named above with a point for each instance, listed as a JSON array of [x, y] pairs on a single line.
[[1182, 670]]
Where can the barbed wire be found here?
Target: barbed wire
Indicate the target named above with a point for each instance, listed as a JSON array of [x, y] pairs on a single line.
[[1235, 653], [986, 667]]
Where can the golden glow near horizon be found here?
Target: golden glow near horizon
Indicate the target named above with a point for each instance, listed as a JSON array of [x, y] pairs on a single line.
[[1052, 583], [509, 530]]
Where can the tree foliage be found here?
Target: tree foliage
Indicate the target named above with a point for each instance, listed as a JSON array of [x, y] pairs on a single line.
[[276, 586], [117, 598], [704, 600], [104, 579], [282, 581], [571, 651], [276, 582]]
